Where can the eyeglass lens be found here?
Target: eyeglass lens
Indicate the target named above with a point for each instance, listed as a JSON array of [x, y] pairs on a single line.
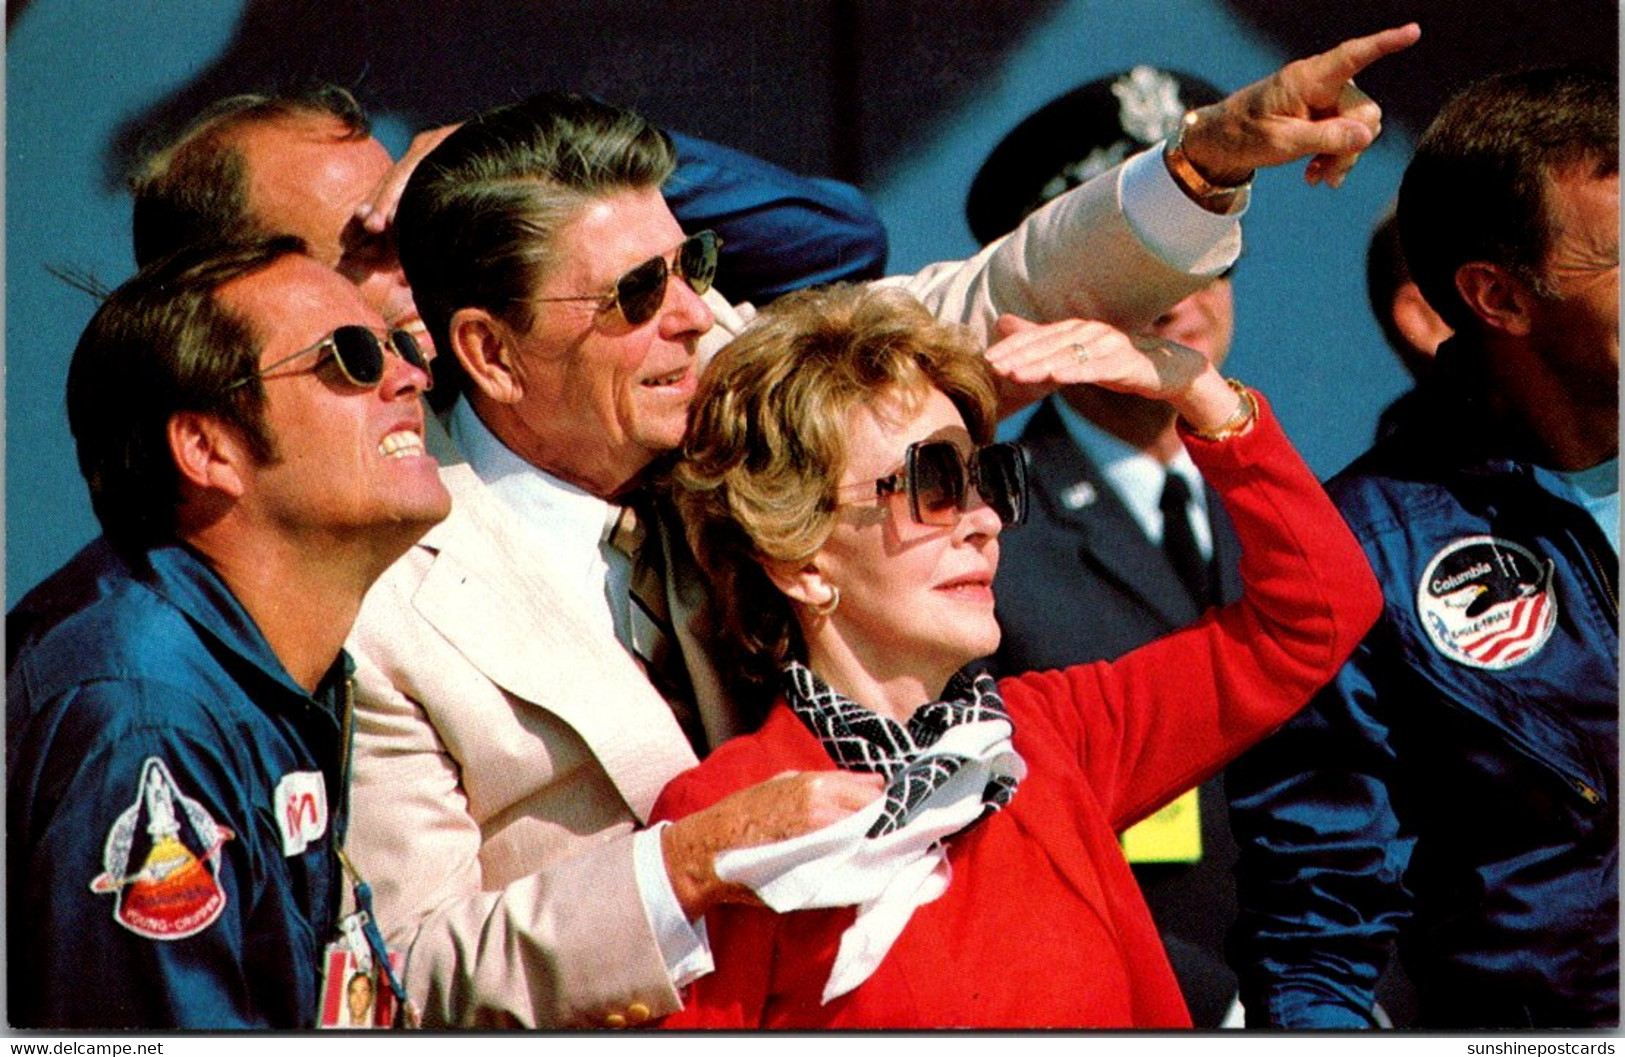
[[360, 354], [938, 488], [1001, 478], [697, 260], [640, 291]]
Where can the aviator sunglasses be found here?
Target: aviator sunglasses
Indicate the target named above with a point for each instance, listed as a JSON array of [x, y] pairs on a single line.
[[639, 292], [359, 352], [939, 480]]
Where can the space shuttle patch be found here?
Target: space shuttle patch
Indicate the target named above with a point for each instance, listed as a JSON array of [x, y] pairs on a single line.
[[173, 842]]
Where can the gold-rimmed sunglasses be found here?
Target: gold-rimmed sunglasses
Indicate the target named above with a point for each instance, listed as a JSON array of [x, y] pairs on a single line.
[[939, 480], [639, 292]]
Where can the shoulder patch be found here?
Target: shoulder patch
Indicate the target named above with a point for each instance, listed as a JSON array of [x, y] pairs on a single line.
[[1487, 602], [175, 892]]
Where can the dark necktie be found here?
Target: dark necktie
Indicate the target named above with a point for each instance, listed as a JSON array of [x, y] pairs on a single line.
[[654, 637], [1179, 540]]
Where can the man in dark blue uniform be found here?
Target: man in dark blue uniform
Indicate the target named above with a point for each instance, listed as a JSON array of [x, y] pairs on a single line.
[[1457, 785], [178, 719], [1122, 543]]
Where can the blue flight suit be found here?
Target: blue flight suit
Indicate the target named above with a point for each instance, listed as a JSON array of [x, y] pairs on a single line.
[[780, 231], [175, 805], [1457, 785]]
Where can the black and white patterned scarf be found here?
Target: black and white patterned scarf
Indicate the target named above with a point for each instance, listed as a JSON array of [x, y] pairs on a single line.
[[859, 739], [947, 769]]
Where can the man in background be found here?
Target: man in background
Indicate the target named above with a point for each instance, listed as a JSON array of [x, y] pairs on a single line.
[[1413, 329], [1456, 787], [1122, 544]]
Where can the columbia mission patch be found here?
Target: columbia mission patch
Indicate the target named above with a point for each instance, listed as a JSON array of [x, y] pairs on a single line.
[[1487, 602]]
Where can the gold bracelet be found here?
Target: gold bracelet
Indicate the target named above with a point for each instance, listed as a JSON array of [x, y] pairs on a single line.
[[1215, 198], [1240, 422]]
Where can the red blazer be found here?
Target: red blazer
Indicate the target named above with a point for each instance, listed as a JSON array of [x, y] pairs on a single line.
[[1043, 924]]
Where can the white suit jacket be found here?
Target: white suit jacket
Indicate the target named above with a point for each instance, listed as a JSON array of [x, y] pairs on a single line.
[[505, 753]]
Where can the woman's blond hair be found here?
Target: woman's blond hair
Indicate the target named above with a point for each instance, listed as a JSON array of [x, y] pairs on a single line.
[[767, 440]]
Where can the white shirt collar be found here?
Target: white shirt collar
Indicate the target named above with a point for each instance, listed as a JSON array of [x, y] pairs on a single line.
[[571, 524], [1138, 477]]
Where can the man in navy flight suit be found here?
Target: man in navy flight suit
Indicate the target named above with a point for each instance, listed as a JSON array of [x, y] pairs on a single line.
[[1457, 785], [178, 718]]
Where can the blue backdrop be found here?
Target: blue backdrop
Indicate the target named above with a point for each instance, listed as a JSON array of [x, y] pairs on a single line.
[[881, 94]]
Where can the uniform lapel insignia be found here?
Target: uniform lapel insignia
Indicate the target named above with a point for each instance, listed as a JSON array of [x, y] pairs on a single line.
[[175, 892], [1079, 495]]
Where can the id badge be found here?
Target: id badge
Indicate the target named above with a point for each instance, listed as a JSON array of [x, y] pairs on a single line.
[[1172, 834], [357, 991]]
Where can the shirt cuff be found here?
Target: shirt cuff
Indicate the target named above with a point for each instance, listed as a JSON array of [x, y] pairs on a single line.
[[1172, 226], [685, 947]]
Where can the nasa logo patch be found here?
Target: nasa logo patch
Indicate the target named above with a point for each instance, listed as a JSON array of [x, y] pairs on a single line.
[[301, 810], [1487, 602]]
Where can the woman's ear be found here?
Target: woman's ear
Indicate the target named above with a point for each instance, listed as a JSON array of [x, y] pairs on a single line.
[[801, 582], [484, 345], [209, 455]]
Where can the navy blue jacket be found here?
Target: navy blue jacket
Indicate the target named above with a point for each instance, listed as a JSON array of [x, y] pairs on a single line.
[[780, 231], [175, 802], [1457, 785], [1081, 581]]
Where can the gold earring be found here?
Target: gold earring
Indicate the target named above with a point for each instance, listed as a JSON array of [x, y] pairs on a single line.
[[827, 607]]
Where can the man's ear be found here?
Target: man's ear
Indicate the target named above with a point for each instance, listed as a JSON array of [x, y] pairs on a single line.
[[484, 345], [801, 582], [1495, 296], [209, 455]]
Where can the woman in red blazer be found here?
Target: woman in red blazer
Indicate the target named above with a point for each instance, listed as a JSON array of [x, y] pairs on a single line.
[[839, 487]]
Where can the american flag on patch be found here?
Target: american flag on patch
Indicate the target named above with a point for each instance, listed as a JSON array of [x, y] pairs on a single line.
[[1488, 602]]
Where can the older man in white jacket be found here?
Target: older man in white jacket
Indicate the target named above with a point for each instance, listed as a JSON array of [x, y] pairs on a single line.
[[509, 742]]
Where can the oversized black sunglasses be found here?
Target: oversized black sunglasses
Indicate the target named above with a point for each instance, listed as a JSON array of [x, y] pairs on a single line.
[[639, 292], [359, 352], [939, 480]]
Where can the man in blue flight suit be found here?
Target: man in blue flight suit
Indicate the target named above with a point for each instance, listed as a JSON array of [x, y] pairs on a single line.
[[1457, 785], [178, 716]]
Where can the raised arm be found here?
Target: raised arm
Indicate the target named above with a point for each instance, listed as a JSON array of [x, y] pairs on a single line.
[[780, 231], [1310, 108], [1127, 245], [1166, 716]]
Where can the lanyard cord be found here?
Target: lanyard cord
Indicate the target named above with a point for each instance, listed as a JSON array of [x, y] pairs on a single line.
[[406, 1015]]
